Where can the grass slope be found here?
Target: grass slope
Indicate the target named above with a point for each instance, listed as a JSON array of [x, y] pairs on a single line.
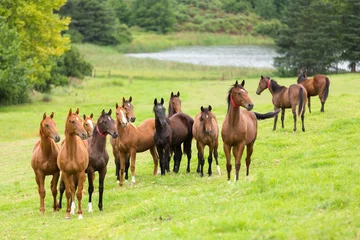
[[301, 186]]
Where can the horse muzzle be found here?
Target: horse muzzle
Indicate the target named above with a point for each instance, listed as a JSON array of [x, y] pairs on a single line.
[[56, 138], [249, 106], [114, 134]]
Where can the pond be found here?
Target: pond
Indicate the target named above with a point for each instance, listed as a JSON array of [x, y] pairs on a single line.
[[237, 56]]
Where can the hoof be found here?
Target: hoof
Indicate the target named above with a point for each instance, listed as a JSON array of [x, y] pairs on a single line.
[[80, 216], [218, 169]]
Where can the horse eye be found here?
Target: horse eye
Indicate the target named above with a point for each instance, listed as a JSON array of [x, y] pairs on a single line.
[[73, 122], [47, 125]]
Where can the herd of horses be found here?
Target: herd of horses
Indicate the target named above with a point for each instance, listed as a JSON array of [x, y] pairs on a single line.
[[83, 151]]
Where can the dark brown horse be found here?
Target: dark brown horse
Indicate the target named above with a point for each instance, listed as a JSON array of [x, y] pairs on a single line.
[[317, 85], [170, 134], [88, 124], [283, 97], [239, 128], [73, 159], [206, 132], [43, 160], [174, 104], [132, 139]]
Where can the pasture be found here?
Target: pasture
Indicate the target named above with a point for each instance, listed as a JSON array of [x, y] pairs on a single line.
[[301, 186]]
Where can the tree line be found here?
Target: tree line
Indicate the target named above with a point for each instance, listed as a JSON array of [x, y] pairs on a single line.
[[35, 36]]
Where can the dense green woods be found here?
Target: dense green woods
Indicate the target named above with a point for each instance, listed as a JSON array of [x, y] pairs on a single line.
[[36, 36]]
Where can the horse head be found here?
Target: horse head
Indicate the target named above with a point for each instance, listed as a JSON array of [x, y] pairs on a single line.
[[106, 124], [238, 96], [159, 111], [301, 75], [174, 103], [129, 108], [74, 125], [48, 127], [264, 83], [206, 118], [88, 124]]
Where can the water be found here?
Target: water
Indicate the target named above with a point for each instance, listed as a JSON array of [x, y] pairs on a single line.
[[237, 56]]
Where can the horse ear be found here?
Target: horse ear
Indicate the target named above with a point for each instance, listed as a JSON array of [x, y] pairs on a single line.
[[77, 111], [202, 109], [123, 99], [209, 108], [162, 101], [103, 112], [91, 115], [52, 115], [70, 112], [130, 99], [84, 116], [110, 111], [178, 94], [172, 95], [236, 83], [243, 83], [116, 106], [44, 116], [155, 101], [262, 77]]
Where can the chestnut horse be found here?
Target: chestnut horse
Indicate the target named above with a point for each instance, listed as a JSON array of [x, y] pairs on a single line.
[[132, 139], [73, 159], [88, 124], [317, 85], [43, 160], [239, 128], [283, 97], [206, 132], [170, 134], [174, 104]]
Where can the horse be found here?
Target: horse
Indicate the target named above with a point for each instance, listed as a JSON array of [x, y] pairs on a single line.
[[206, 133], [174, 104], [317, 85], [73, 159], [169, 135], [239, 128], [43, 160], [132, 140], [88, 124], [283, 97]]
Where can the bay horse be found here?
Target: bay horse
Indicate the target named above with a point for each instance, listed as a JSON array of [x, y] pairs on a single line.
[[73, 159], [317, 85], [239, 128], [170, 134], [283, 97], [88, 124], [206, 133], [174, 104], [132, 140], [43, 160]]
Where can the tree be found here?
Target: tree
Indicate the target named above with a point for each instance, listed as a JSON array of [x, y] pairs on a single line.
[[39, 32], [351, 33], [309, 38], [153, 15]]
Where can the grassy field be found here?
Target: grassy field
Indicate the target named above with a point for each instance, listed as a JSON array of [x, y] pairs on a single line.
[[302, 185]]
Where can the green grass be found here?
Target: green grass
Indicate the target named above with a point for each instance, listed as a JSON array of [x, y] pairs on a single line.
[[301, 186]]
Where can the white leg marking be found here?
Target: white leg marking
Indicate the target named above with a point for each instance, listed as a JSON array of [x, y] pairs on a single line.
[[72, 209], [80, 216], [218, 169], [133, 179], [90, 207]]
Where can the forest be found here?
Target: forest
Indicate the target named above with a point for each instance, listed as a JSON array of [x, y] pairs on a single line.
[[36, 53]]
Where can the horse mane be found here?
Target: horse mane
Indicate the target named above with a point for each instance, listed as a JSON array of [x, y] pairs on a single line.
[[228, 98], [274, 85]]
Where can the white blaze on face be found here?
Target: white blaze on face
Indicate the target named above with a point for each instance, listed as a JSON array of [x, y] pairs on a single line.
[[242, 90], [90, 123], [77, 118], [123, 117]]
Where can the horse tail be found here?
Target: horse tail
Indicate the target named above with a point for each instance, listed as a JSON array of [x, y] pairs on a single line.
[[326, 89], [301, 101], [262, 116], [187, 143]]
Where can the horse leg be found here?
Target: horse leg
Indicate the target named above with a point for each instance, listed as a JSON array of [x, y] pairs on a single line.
[[117, 170], [282, 117], [132, 167], [322, 103], [80, 180], [162, 159], [302, 121], [249, 151], [40, 179], [155, 159], [275, 119], [228, 162], [293, 109], [177, 158], [201, 159], [211, 150], [187, 150], [237, 152], [90, 174], [309, 104], [61, 190], [127, 165], [122, 168], [54, 182], [216, 157], [166, 158], [102, 174], [67, 181]]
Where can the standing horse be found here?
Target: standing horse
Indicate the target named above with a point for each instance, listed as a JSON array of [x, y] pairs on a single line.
[[318, 85], [98, 155], [174, 104], [170, 134], [132, 139], [88, 124], [239, 128], [43, 160], [73, 159], [283, 97], [206, 132]]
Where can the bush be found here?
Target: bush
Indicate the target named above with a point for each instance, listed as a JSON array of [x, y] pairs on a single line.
[[270, 28]]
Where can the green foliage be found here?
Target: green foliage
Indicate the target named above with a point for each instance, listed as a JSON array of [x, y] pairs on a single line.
[[270, 28], [72, 64], [14, 84], [122, 10], [153, 15], [265, 8], [237, 6]]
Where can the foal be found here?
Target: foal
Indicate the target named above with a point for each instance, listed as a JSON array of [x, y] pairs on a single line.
[[88, 124], [174, 104], [73, 159], [206, 132], [283, 97], [43, 160]]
